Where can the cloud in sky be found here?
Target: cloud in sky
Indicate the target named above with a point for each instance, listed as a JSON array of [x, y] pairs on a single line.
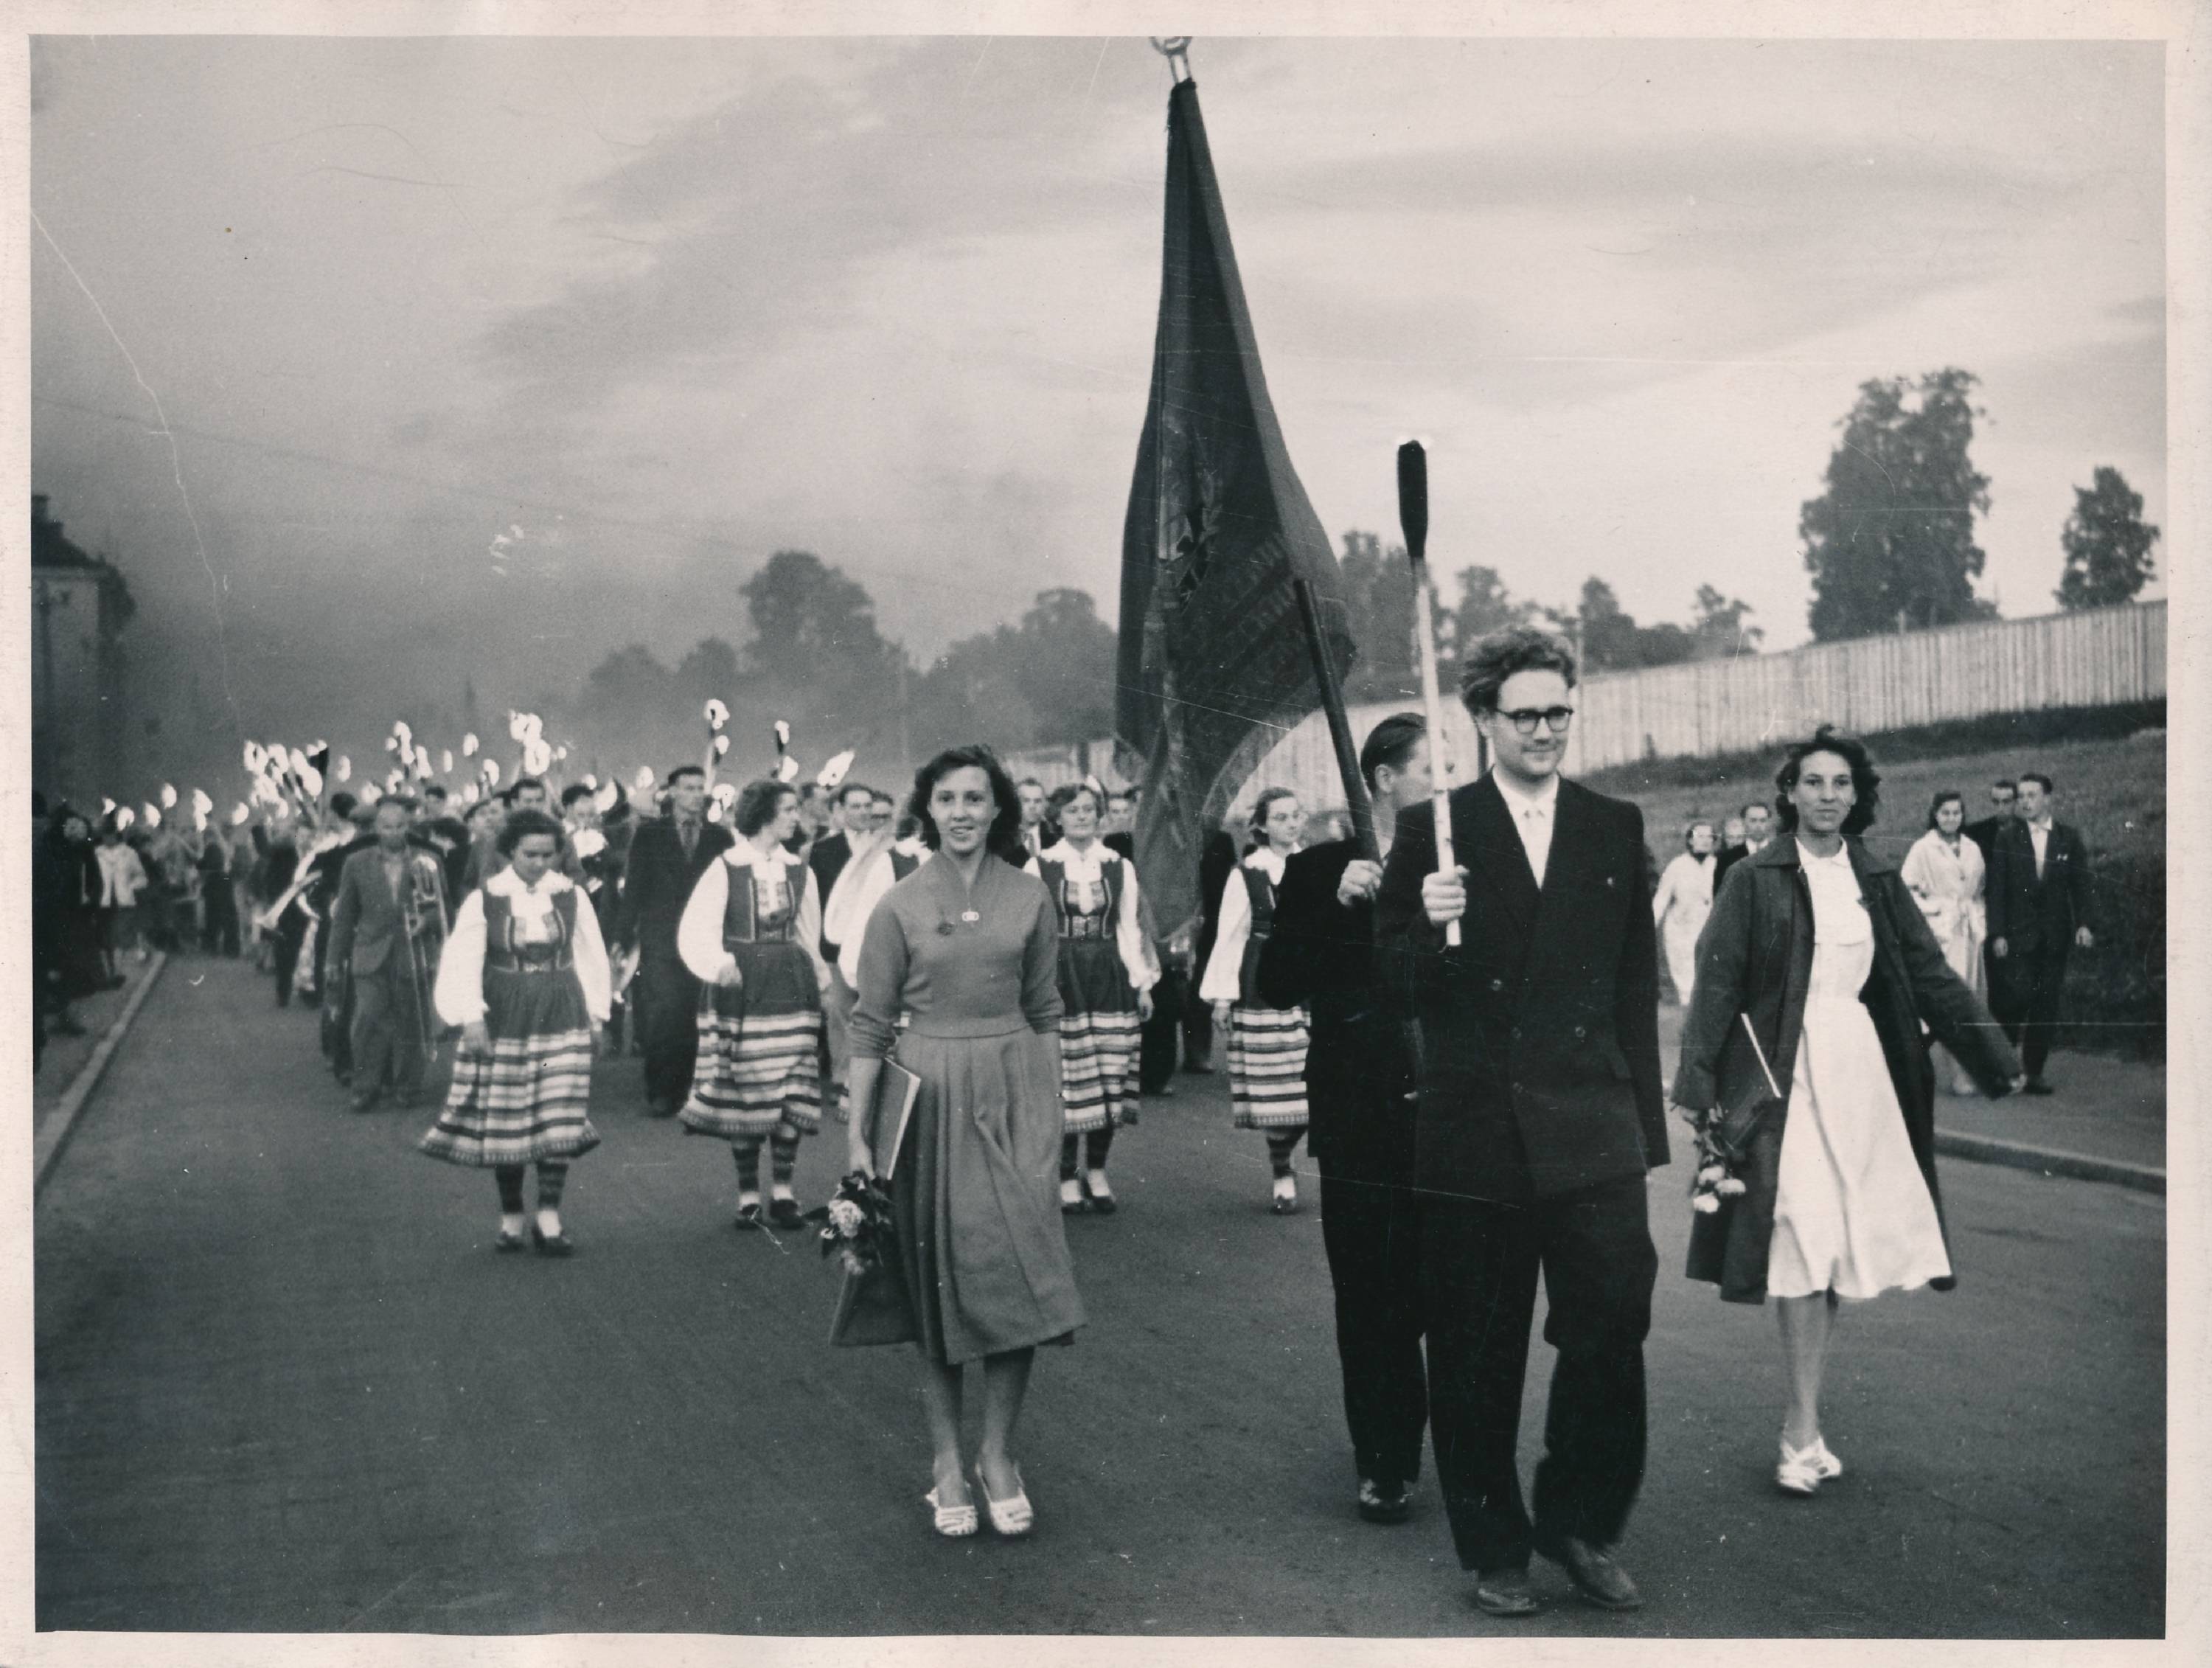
[[691, 302]]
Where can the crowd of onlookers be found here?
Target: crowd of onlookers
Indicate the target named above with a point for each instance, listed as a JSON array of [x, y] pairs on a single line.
[[107, 891]]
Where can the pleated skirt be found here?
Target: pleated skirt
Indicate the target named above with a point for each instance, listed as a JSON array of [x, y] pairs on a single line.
[[760, 1047], [1266, 1060], [529, 1098], [981, 1264], [1098, 1038]]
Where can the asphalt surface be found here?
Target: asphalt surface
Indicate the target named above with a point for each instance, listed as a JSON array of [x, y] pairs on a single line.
[[284, 1384]]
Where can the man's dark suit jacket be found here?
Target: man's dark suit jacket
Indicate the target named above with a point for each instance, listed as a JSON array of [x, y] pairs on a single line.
[[1984, 833], [1358, 1067], [2026, 912], [1540, 1035], [658, 883]]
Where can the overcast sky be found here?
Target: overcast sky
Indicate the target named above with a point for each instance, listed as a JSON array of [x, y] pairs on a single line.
[[667, 307]]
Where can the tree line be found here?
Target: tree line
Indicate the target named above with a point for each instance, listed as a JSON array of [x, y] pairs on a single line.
[[1889, 545]]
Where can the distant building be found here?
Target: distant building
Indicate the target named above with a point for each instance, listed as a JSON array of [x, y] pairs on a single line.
[[79, 605]]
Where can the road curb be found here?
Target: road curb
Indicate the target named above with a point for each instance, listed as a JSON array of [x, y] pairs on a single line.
[[2050, 1161], [54, 1135]]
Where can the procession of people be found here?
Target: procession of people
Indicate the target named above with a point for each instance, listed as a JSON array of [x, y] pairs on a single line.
[[972, 985]]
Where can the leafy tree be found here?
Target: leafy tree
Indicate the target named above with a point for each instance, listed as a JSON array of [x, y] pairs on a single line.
[[810, 621], [1063, 664], [1378, 601], [1890, 544], [1485, 606], [1718, 631], [2107, 545], [708, 673]]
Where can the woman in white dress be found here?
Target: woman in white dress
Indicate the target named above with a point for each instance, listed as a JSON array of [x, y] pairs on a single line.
[[1683, 903], [1821, 974], [1946, 874]]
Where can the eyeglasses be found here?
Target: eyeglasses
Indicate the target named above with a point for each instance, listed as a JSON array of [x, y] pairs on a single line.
[[1525, 719]]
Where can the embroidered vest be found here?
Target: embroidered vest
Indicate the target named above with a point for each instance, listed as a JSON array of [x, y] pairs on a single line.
[[1076, 921], [1261, 891], [503, 955], [760, 911]]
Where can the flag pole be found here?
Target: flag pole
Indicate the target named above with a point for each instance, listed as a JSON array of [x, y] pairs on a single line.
[[1339, 723], [1414, 517]]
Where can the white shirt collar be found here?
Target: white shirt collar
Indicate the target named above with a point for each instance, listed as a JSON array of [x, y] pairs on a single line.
[[507, 884], [1812, 860], [1079, 864], [743, 854], [1518, 799], [1267, 861]]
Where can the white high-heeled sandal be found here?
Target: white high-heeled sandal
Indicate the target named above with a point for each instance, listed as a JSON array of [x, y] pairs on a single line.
[[1008, 1517], [1803, 1470], [951, 1521]]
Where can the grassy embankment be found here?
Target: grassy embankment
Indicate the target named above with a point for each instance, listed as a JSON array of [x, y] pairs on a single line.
[[2112, 789]]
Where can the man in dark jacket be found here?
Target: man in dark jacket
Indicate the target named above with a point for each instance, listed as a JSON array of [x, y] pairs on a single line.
[[667, 856], [2004, 796], [831, 852], [1359, 1095], [2038, 910], [1541, 1112]]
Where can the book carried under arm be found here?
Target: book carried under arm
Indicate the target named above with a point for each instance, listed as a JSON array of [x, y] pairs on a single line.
[[896, 1090]]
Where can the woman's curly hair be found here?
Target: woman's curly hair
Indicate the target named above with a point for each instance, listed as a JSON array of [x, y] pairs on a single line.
[[1865, 779]]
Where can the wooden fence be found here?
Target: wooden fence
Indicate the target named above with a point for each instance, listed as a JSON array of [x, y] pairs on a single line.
[[1705, 708]]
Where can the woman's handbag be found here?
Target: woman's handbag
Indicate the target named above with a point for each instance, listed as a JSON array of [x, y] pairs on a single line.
[[874, 1307], [1731, 1131]]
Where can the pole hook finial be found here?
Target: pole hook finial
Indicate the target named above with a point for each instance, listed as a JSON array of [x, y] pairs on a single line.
[[1175, 49]]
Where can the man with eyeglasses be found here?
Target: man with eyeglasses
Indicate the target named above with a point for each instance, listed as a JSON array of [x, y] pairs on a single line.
[[1541, 1112]]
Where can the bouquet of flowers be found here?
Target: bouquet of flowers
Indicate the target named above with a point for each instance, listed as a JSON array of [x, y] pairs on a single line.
[[1724, 1140], [1716, 1178], [856, 1224]]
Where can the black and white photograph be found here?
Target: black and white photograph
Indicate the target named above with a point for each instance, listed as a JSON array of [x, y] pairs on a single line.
[[875, 831]]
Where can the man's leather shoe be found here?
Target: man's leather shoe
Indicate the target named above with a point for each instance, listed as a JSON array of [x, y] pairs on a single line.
[[659, 1108], [1384, 1503], [1594, 1573], [2036, 1085], [1504, 1592]]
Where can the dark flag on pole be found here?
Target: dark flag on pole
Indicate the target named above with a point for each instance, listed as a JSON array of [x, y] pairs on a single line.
[[1214, 666]]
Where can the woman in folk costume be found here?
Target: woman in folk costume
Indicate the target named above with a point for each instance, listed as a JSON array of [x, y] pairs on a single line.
[[1818, 972], [959, 971], [1106, 972], [752, 935], [1266, 1046], [525, 976], [1682, 903], [1946, 874]]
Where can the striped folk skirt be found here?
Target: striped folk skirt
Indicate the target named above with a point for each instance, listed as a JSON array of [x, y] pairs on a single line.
[[760, 1047], [1267, 1057], [1099, 1036], [528, 1098]]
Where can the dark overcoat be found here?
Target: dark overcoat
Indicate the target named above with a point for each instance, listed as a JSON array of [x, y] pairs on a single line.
[[1755, 957]]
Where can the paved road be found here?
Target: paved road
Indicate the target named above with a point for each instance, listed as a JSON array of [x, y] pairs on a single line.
[[284, 1384]]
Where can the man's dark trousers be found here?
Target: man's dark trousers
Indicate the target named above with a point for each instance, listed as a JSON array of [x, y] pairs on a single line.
[[1370, 1228], [665, 1000], [2025, 987], [1480, 1259]]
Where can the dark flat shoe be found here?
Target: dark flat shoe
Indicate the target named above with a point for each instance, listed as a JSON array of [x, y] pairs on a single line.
[[555, 1244], [786, 1213], [1506, 1592], [508, 1242], [747, 1219], [1594, 1573], [2037, 1086]]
